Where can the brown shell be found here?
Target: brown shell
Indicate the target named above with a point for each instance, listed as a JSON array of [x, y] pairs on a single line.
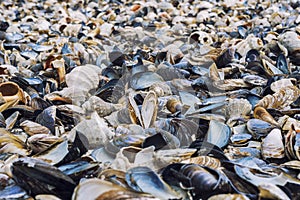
[[205, 161], [281, 99], [174, 105], [262, 114]]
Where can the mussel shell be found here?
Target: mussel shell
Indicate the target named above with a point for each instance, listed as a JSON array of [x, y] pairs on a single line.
[[205, 148], [255, 80], [240, 138], [38, 177], [47, 118], [144, 80], [281, 64], [259, 128], [218, 133], [252, 56], [143, 179]]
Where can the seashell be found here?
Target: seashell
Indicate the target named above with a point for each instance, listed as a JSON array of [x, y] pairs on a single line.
[[143, 179], [90, 189], [11, 120], [207, 161], [237, 108], [95, 129], [40, 48], [106, 29], [230, 84], [144, 80], [59, 65], [258, 128], [290, 40], [121, 194], [161, 89], [262, 114], [271, 191], [161, 140], [250, 42], [293, 164], [11, 189], [85, 76], [148, 113], [281, 64], [129, 157], [103, 108], [272, 145], [46, 197], [11, 92], [80, 81], [281, 99], [255, 80], [270, 68], [41, 142], [47, 118], [174, 105], [9, 143], [200, 37], [225, 58], [240, 138], [228, 197], [71, 29], [218, 133], [49, 179], [280, 84], [32, 128], [54, 154]]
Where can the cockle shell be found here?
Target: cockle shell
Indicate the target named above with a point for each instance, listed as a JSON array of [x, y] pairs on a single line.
[[80, 81]]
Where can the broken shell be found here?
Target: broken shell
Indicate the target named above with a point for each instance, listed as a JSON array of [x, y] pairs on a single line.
[[12, 92], [32, 128]]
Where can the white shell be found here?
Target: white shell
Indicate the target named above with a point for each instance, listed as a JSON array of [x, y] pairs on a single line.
[[272, 146], [90, 189], [95, 129]]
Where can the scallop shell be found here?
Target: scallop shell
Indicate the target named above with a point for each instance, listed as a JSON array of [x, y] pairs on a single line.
[[272, 145]]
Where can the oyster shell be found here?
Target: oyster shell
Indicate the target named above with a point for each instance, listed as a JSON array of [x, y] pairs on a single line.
[[272, 145]]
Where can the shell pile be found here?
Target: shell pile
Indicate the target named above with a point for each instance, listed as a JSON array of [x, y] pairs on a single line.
[[158, 99]]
